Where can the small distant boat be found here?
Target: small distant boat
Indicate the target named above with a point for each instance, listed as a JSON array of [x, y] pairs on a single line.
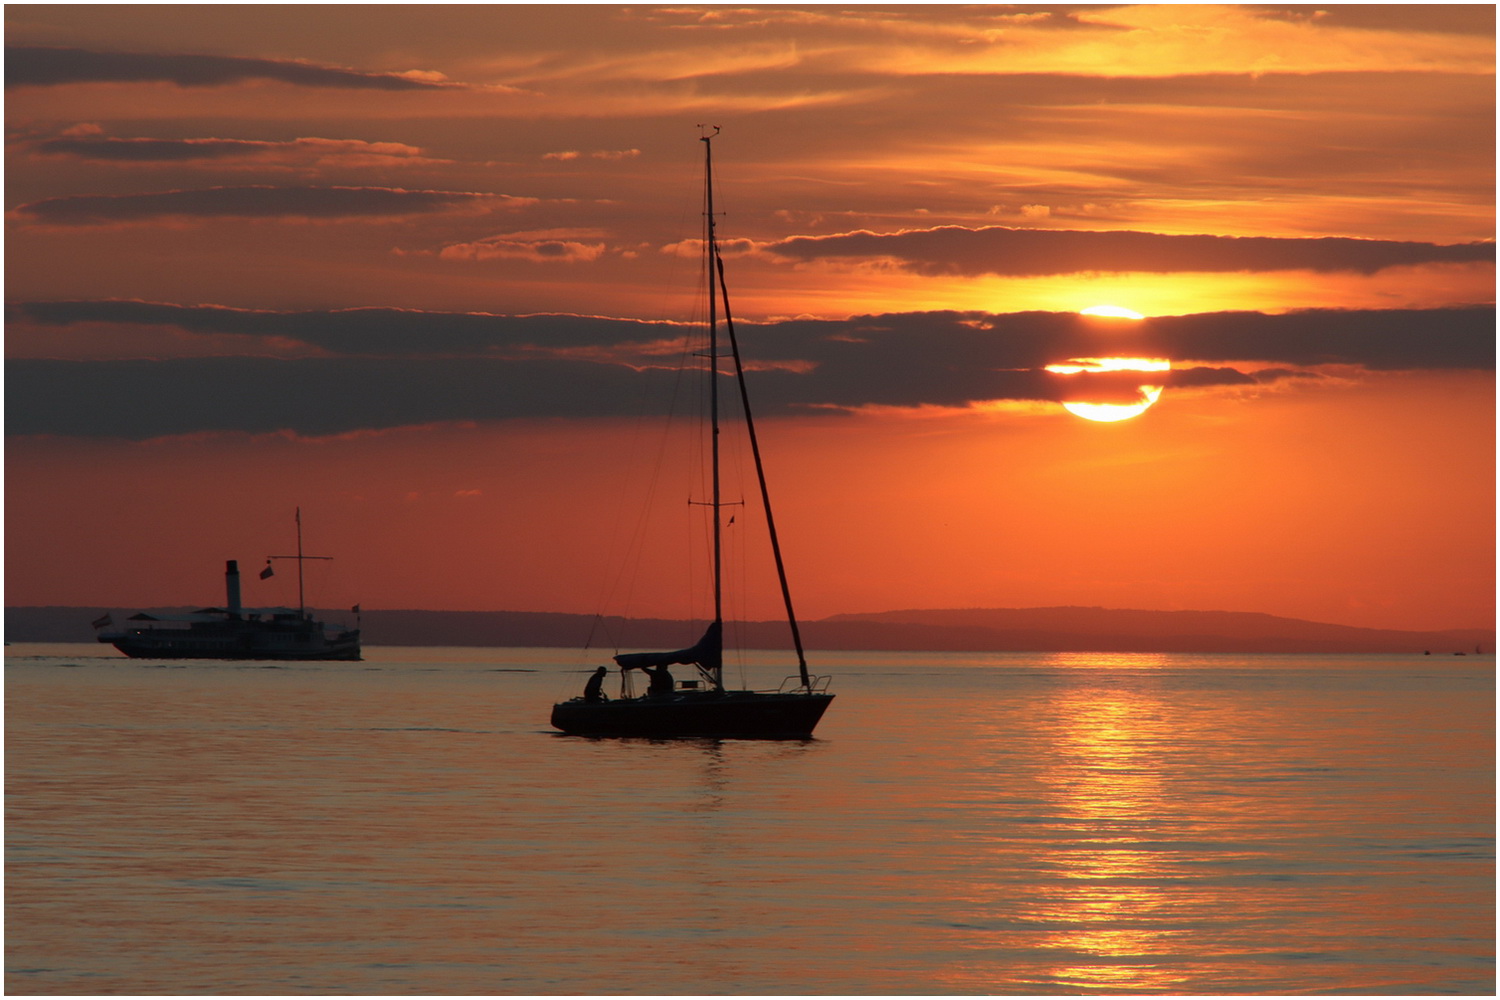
[[704, 707], [234, 632]]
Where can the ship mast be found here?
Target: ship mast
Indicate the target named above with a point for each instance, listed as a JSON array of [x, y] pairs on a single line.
[[301, 599]]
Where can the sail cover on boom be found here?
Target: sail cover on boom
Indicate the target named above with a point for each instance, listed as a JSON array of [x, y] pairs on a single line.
[[707, 653]]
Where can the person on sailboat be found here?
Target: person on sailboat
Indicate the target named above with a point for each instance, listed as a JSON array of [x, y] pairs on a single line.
[[594, 689], [661, 680]]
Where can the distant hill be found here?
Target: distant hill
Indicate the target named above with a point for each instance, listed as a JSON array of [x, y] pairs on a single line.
[[1066, 629]]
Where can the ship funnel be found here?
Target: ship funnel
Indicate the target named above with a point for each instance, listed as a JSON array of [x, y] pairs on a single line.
[[232, 587]]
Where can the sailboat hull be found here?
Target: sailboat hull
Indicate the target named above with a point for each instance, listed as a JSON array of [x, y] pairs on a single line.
[[726, 714]]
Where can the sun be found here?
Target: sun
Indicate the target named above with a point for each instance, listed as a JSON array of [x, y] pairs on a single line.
[[1116, 312], [1119, 402], [1110, 412]]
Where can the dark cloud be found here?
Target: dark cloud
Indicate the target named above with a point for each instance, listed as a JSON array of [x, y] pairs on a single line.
[[409, 367], [27, 66], [359, 331], [955, 250], [249, 201], [1125, 386], [112, 149], [1395, 338], [1391, 339], [146, 150], [907, 345], [152, 150], [1203, 376]]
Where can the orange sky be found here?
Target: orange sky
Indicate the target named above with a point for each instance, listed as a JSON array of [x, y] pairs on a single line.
[[268, 257]]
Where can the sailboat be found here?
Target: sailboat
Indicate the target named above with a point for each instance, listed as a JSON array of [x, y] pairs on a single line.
[[704, 707], [235, 632]]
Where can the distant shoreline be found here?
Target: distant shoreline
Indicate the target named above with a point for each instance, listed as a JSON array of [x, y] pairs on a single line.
[[1066, 629]]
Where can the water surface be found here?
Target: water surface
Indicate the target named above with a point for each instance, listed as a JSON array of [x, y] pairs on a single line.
[[962, 824]]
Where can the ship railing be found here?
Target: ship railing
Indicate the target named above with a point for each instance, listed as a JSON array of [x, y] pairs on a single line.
[[816, 683]]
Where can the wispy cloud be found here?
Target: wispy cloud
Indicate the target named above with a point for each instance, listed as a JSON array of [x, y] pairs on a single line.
[[27, 66], [310, 151], [598, 154], [1121, 40], [256, 201], [542, 251]]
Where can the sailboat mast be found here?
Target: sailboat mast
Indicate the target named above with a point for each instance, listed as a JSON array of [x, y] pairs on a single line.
[[301, 599], [716, 274], [710, 256]]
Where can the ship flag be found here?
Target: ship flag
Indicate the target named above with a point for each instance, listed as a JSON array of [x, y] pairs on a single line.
[[268, 572]]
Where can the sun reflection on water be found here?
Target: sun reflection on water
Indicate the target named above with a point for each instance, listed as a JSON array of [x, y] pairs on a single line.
[[1117, 661], [1103, 886], [1112, 911]]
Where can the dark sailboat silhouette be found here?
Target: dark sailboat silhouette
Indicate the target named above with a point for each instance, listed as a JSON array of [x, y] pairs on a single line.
[[704, 707]]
